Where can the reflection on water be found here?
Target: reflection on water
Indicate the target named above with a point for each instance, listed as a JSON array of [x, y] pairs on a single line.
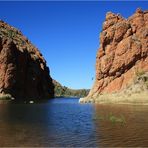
[[133, 133], [59, 122], [64, 122]]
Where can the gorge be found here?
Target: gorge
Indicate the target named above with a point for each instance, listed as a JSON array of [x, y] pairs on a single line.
[[121, 63], [24, 74], [38, 105]]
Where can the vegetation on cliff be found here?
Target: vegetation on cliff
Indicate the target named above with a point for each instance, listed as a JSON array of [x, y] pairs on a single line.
[[135, 93], [123, 54], [23, 70], [62, 91]]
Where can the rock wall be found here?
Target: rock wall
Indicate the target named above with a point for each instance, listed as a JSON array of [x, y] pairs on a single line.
[[23, 70], [123, 52]]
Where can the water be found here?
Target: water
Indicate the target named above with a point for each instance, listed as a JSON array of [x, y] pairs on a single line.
[[133, 132], [58, 122], [64, 122]]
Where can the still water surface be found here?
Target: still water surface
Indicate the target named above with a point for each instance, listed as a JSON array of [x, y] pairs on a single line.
[[66, 123]]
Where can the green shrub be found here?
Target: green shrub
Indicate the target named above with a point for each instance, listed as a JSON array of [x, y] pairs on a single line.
[[11, 34], [140, 73], [5, 96]]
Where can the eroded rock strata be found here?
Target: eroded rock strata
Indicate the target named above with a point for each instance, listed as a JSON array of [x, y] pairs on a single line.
[[23, 70], [123, 52]]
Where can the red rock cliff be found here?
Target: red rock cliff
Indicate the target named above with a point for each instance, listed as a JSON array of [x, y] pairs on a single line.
[[23, 70], [123, 52]]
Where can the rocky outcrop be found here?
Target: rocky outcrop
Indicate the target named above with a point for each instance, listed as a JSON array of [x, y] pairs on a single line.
[[123, 52], [135, 93], [63, 91], [23, 70]]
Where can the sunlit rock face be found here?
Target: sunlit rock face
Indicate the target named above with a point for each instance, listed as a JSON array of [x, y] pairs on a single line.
[[123, 52], [23, 70]]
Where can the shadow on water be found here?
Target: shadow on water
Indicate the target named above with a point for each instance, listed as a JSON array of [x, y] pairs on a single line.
[[23, 124], [58, 122], [133, 131]]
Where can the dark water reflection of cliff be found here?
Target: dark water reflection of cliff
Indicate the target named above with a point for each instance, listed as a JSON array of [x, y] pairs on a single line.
[[133, 132], [66, 123]]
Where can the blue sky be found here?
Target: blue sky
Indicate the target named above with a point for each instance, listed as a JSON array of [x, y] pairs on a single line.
[[67, 33]]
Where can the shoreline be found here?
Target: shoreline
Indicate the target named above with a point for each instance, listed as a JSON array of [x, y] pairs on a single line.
[[118, 98], [113, 103], [135, 94]]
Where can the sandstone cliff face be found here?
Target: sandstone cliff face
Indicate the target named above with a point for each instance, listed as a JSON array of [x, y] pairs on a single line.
[[23, 70], [123, 52]]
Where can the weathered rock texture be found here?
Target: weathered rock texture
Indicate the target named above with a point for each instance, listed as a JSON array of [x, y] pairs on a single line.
[[23, 70], [123, 52]]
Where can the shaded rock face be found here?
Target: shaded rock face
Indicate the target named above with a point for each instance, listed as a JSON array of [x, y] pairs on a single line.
[[123, 52], [23, 70]]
